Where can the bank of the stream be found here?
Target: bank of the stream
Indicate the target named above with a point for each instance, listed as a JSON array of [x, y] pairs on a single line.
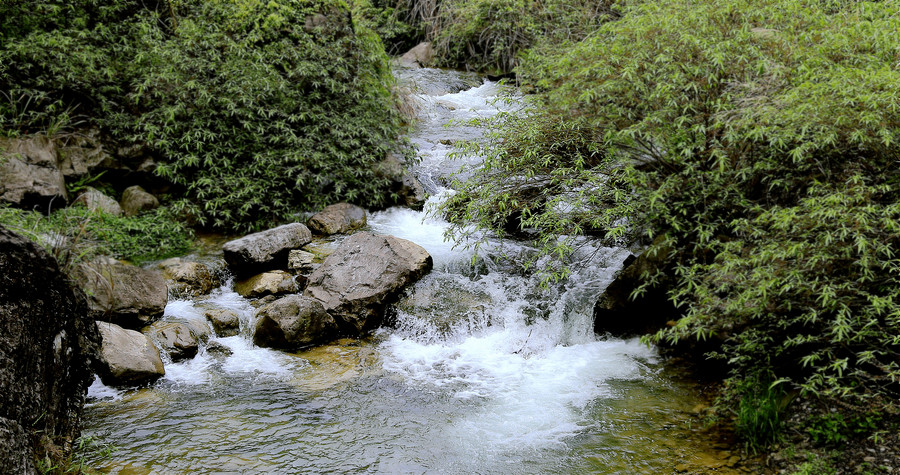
[[481, 370]]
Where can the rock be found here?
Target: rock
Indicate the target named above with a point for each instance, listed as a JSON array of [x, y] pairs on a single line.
[[122, 293], [218, 349], [82, 155], [339, 218], [420, 55], [30, 177], [268, 283], [265, 250], [617, 314], [127, 357], [176, 339], [47, 344], [135, 201], [363, 275], [94, 200], [191, 278], [293, 321], [301, 261], [224, 322], [404, 183]]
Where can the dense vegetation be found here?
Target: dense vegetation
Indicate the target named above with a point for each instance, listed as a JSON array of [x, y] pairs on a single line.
[[761, 140], [259, 109]]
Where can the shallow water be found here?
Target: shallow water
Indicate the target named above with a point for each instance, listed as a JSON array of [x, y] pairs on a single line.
[[481, 371]]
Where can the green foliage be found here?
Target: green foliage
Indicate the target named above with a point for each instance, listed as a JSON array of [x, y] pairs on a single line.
[[488, 35], [76, 233], [259, 108], [758, 418], [75, 463], [835, 429], [761, 139]]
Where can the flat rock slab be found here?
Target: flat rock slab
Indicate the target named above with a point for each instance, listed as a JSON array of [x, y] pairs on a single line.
[[338, 218], [265, 250], [363, 275], [127, 356]]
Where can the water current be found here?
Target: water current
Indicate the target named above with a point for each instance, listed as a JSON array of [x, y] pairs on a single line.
[[482, 371]]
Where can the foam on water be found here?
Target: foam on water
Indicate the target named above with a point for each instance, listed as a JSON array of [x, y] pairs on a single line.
[[98, 392]]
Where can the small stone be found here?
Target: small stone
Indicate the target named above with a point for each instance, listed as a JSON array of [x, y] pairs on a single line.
[[268, 283], [94, 200], [224, 322]]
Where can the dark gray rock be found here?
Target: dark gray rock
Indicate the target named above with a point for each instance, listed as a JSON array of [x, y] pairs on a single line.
[[339, 218], [122, 293], [135, 201], [30, 177], [47, 343], [127, 357], [265, 250], [363, 275], [293, 321]]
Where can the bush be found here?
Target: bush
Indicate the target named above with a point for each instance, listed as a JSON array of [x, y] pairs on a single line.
[[762, 141], [259, 109]]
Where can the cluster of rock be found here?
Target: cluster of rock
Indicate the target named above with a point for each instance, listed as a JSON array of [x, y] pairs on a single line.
[[300, 301], [34, 171]]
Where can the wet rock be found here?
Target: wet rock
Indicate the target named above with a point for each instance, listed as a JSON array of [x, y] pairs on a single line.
[[122, 293], [265, 250], [616, 313], [94, 200], [127, 357], [404, 182], [293, 321], [176, 339], [224, 322], [217, 349], [365, 274], [30, 177], [274, 282], [301, 261], [135, 201], [420, 55], [47, 343], [339, 218], [191, 278]]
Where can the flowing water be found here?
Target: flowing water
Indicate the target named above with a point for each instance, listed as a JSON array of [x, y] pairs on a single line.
[[482, 370]]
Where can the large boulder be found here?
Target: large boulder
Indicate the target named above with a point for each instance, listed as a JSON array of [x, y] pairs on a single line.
[[176, 339], [618, 314], [364, 275], [421, 54], [122, 293], [82, 155], [268, 283], [338, 218], [47, 342], [94, 200], [293, 321], [127, 357], [135, 201], [188, 278], [265, 250], [29, 174]]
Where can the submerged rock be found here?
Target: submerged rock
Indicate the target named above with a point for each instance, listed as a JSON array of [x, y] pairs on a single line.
[[339, 218], [293, 321], [127, 357], [135, 200], [176, 339], [47, 343], [94, 200], [30, 177], [268, 283], [192, 278], [265, 250], [122, 293], [364, 275]]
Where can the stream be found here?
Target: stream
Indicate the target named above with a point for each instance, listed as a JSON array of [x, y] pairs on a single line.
[[482, 371]]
